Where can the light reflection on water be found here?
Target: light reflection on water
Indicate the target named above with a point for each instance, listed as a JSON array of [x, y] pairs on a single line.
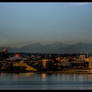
[[44, 81]]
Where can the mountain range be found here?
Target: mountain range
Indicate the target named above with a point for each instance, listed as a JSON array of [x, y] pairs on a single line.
[[57, 47]]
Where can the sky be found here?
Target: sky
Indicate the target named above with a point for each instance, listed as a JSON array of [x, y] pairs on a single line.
[[26, 23]]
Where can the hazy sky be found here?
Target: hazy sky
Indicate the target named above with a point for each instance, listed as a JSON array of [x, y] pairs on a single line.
[[23, 23]]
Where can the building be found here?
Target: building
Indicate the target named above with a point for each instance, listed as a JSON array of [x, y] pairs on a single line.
[[82, 57], [89, 60], [44, 63], [65, 62]]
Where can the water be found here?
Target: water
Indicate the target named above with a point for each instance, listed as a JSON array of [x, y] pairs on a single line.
[[34, 81]]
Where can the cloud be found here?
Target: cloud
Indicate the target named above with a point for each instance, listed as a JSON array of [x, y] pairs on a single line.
[[66, 5], [80, 4]]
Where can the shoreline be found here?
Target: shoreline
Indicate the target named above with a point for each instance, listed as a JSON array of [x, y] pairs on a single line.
[[71, 71]]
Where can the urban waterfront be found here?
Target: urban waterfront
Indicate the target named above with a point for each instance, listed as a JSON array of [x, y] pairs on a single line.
[[46, 46], [44, 81]]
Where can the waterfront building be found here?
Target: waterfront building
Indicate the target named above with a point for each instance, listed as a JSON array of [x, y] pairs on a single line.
[[58, 59], [89, 60], [44, 63], [82, 57], [21, 64], [65, 62]]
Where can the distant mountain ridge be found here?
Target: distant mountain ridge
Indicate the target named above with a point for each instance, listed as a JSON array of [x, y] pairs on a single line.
[[58, 48]]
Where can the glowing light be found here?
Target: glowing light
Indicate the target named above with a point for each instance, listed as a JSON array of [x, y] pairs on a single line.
[[43, 75], [17, 55]]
